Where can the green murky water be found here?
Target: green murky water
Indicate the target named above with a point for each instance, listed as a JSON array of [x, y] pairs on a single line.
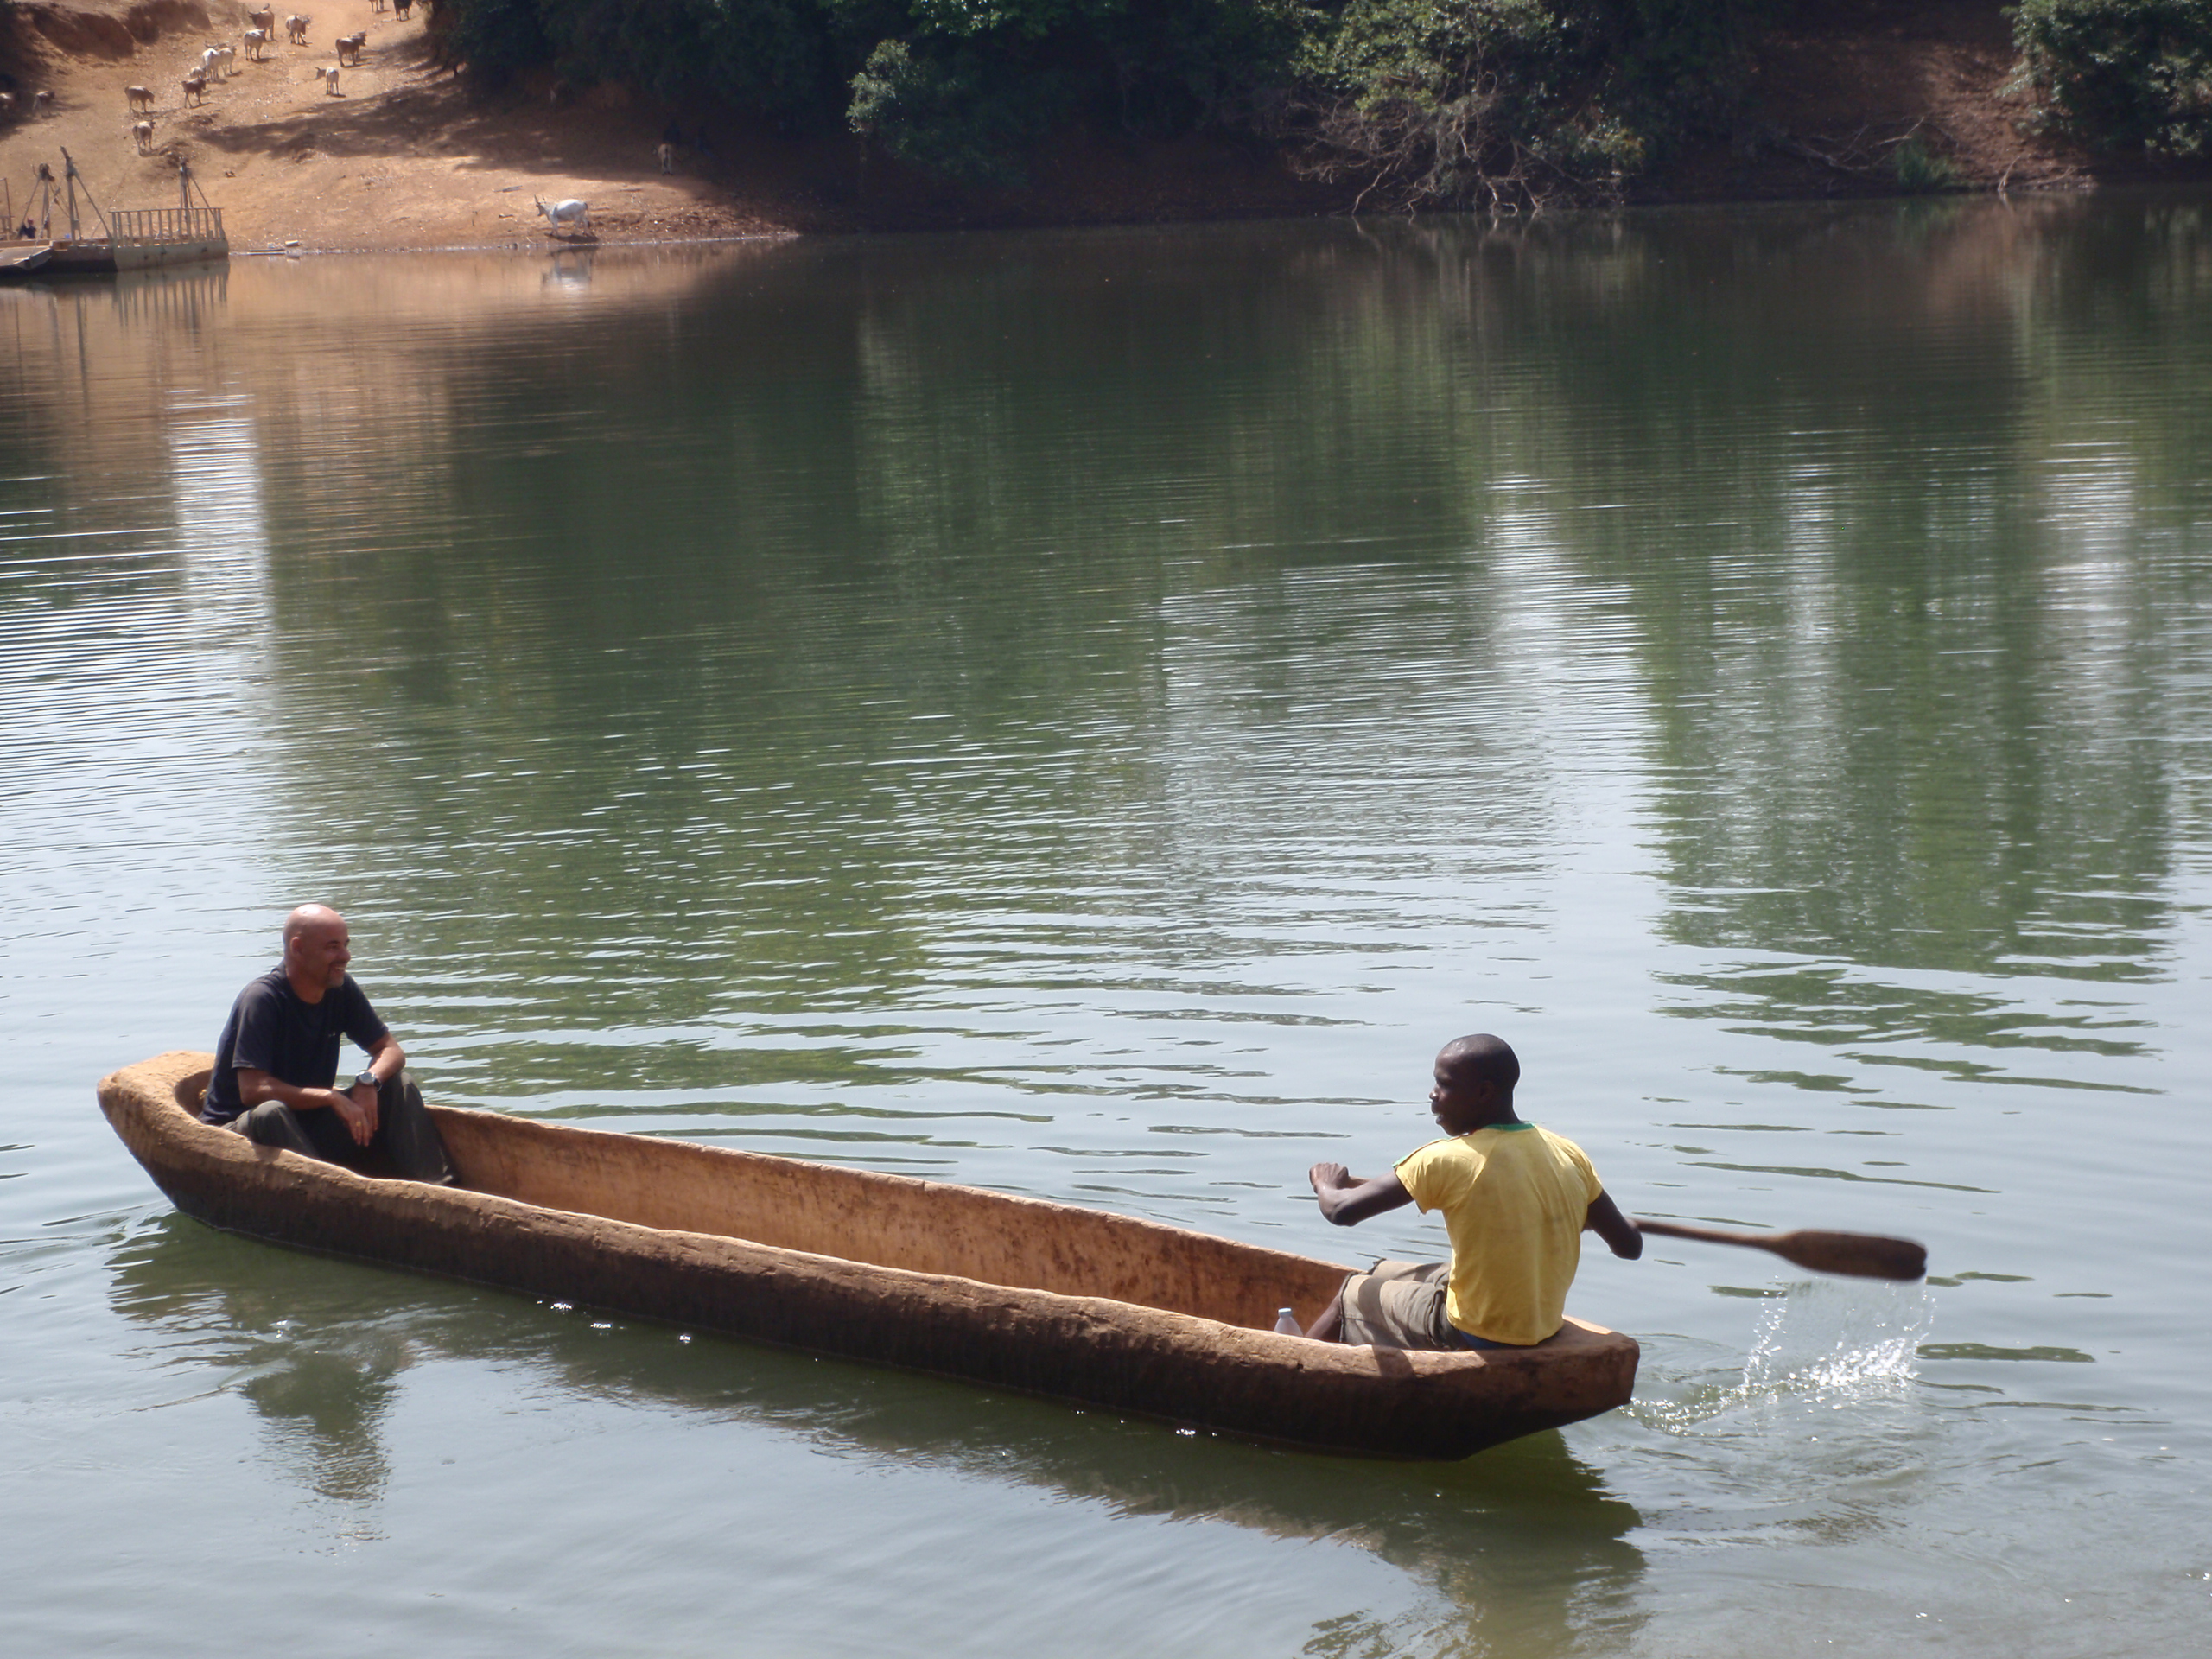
[[1088, 714]]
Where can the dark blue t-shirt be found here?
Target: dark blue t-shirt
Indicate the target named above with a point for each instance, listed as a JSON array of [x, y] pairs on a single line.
[[295, 1042]]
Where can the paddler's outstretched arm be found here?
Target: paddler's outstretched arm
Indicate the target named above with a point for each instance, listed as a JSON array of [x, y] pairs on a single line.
[[1347, 1200]]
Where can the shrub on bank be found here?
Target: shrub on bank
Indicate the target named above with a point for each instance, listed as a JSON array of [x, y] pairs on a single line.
[[1498, 103], [2124, 75]]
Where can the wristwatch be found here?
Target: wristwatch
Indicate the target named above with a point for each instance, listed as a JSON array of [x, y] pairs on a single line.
[[369, 1079]]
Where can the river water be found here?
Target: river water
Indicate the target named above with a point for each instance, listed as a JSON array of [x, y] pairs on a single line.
[[1088, 715]]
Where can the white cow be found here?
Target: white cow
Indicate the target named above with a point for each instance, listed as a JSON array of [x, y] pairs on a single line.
[[569, 215]]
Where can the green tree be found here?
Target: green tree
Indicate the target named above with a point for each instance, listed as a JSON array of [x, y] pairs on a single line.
[[2124, 75]]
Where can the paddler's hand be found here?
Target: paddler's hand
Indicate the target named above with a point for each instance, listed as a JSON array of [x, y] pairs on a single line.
[[1327, 1178]]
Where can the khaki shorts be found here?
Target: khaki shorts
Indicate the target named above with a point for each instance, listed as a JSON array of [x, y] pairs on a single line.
[[1399, 1305]]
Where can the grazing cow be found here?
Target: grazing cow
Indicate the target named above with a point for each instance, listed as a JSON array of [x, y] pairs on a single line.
[[139, 98], [667, 156], [195, 88], [257, 42], [41, 103], [330, 80], [296, 27], [142, 134], [353, 43], [569, 215]]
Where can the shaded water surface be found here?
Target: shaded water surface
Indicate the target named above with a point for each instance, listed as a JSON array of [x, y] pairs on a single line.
[[1088, 714]]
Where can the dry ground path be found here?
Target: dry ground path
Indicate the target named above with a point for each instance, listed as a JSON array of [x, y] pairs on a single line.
[[397, 158]]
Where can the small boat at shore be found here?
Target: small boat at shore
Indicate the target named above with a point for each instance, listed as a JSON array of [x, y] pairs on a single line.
[[132, 238], [1046, 1299]]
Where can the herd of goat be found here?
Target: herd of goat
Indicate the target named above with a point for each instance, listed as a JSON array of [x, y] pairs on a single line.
[[218, 62]]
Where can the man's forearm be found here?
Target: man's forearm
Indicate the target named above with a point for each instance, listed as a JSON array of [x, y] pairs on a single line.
[[1333, 1198], [256, 1088], [1346, 1200]]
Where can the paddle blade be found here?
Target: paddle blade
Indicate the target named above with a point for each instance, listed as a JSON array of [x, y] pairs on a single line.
[[1859, 1256]]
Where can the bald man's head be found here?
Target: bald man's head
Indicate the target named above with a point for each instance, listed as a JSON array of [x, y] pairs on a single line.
[[317, 948]]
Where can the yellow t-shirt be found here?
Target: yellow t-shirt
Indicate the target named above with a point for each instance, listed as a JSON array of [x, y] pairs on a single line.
[[1514, 1201]]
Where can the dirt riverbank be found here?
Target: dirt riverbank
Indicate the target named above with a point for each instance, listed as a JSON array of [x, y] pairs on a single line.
[[401, 156]]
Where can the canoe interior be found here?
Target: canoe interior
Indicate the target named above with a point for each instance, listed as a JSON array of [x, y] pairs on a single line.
[[883, 1220]]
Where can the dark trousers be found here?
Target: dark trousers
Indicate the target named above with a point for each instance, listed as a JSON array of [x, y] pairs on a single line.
[[405, 1139]]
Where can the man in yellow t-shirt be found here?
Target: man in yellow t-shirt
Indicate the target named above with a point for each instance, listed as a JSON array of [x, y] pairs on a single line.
[[1517, 1199]]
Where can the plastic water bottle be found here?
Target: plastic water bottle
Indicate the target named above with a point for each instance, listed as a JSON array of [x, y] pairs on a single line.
[[1287, 1325]]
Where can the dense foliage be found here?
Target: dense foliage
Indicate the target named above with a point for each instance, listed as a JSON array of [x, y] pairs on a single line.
[[1427, 102], [1456, 102], [2123, 75]]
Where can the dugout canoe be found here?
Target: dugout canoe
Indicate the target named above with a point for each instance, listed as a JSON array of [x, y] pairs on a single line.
[[1047, 1298]]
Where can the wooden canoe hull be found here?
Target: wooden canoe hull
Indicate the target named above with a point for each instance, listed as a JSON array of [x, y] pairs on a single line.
[[1047, 1298]]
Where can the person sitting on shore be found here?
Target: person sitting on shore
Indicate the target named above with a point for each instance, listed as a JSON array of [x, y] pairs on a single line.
[[277, 1059], [1516, 1199]]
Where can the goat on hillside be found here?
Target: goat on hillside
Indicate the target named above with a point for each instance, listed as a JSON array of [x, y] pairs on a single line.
[[353, 43], [330, 80], [569, 215], [296, 27], [401, 8], [139, 98], [41, 103], [195, 88], [142, 134], [265, 20], [257, 41]]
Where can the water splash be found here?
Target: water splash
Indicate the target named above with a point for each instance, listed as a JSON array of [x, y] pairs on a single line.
[[1828, 1341], [1827, 1338]]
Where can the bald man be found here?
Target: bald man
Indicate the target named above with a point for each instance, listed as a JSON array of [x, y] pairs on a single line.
[[1517, 1199], [277, 1059]]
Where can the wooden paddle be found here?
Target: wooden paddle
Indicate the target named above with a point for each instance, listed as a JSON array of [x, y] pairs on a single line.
[[1862, 1255]]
